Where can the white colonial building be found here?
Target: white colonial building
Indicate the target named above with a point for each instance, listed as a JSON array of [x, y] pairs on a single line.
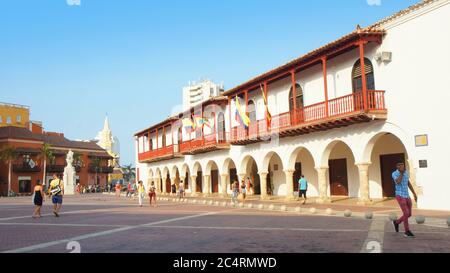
[[343, 131]]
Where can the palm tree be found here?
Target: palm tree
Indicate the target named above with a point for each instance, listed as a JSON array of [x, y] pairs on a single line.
[[129, 172], [8, 154], [46, 153], [96, 163]]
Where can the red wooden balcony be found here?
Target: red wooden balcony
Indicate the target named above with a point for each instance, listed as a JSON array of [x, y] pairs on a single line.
[[164, 153], [342, 111], [204, 144]]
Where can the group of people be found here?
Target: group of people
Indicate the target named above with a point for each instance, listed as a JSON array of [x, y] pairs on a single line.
[[178, 190], [151, 193]]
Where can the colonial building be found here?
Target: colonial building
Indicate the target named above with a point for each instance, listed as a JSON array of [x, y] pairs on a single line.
[[14, 115], [27, 163], [342, 115]]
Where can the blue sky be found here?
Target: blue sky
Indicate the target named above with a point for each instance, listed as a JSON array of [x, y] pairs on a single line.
[[130, 58]]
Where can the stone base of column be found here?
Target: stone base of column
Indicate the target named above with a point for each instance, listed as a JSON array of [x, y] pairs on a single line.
[[223, 195], [325, 200], [290, 198], [365, 202], [264, 197], [194, 194]]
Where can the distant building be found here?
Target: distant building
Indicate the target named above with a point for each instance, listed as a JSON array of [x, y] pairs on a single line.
[[14, 115], [199, 92]]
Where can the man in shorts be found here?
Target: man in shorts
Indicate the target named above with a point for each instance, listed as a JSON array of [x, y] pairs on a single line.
[[56, 190], [302, 189]]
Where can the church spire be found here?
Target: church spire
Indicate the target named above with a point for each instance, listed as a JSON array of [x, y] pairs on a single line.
[[106, 125]]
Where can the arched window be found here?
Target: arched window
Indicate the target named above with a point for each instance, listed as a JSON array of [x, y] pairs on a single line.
[[251, 111], [221, 126], [357, 78], [298, 99]]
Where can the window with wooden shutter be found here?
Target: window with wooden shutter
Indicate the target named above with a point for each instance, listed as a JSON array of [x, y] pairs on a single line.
[[299, 98], [357, 75]]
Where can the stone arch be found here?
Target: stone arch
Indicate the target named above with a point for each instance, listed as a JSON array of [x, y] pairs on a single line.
[[249, 168], [159, 179], [386, 150], [276, 179], [343, 179], [302, 162], [197, 170], [212, 169], [167, 180], [229, 167]]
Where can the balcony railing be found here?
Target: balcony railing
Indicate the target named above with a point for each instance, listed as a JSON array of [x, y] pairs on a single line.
[[202, 144], [101, 169], [161, 153], [25, 168], [55, 168], [313, 114]]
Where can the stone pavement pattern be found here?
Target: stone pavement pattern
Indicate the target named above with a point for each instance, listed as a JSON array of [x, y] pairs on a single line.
[[102, 223]]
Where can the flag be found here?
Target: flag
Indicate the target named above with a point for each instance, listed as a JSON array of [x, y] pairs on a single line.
[[268, 115], [188, 124], [202, 121], [241, 116], [32, 164]]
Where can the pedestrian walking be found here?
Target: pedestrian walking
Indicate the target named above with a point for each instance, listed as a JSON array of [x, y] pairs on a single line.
[[235, 194], [129, 190], [152, 193], [250, 186], [302, 189], [141, 193], [174, 189], [181, 189], [118, 189], [402, 183], [56, 190], [243, 190], [38, 199]]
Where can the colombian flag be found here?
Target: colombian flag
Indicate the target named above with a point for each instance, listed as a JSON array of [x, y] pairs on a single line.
[[188, 124], [241, 116], [200, 121]]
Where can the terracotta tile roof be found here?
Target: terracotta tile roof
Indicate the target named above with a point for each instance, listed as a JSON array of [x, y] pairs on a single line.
[[18, 133], [62, 142], [403, 12]]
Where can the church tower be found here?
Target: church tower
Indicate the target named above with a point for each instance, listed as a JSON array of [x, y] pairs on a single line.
[[107, 141]]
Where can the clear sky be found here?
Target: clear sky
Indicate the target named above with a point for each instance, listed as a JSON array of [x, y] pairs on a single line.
[[72, 64]]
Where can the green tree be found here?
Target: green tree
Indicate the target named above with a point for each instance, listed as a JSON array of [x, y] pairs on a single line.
[[46, 153], [8, 154], [129, 172]]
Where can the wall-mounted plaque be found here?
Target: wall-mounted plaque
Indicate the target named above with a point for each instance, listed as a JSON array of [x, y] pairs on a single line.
[[421, 140]]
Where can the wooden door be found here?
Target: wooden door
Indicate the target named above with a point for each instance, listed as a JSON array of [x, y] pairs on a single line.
[[168, 184], [233, 177], [338, 177], [215, 181], [198, 181], [388, 164], [297, 175]]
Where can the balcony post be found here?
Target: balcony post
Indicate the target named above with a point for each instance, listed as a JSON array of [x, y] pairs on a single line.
[[246, 112], [266, 91], [294, 96], [156, 144], [325, 83], [363, 74], [229, 119]]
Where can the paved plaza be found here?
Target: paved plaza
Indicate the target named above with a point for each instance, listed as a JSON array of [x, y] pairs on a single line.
[[99, 223]]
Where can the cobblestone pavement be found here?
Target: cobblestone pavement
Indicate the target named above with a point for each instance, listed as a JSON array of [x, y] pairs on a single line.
[[101, 223]]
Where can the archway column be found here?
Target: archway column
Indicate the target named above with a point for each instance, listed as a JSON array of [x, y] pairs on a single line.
[[323, 185], [164, 189], [263, 182], [289, 184], [364, 186], [242, 176], [193, 185], [223, 185], [207, 185]]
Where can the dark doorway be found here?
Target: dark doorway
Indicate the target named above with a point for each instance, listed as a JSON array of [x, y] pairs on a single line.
[[215, 181], [338, 177], [297, 174], [233, 177], [198, 181], [168, 184], [186, 181], [388, 164]]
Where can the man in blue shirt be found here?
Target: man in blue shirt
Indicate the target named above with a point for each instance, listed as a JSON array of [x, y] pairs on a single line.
[[303, 188], [402, 184]]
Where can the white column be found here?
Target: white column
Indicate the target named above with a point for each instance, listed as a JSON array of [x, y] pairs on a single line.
[[193, 185], [323, 185], [263, 186], [364, 192], [164, 186], [206, 185], [242, 176], [223, 185], [289, 184]]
